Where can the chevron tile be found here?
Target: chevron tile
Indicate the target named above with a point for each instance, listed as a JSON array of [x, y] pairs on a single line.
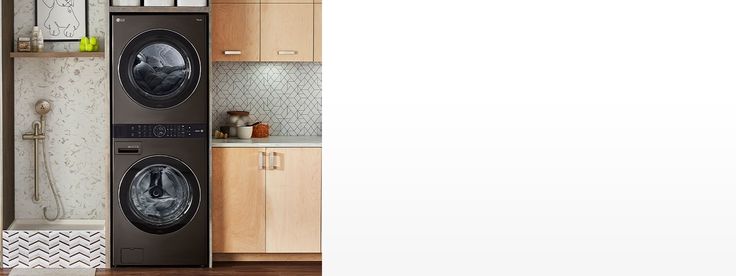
[[53, 249]]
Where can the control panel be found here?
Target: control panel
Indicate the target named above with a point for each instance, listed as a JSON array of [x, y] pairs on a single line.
[[159, 130]]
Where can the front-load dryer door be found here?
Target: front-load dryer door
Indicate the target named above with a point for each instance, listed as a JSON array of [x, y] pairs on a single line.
[[159, 194], [159, 69]]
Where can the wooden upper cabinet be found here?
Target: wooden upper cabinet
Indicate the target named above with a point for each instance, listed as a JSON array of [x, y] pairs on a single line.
[[287, 32], [238, 200], [236, 32], [293, 200], [236, 1], [318, 32]]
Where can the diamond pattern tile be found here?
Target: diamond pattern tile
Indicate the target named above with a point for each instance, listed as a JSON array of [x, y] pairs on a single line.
[[287, 96]]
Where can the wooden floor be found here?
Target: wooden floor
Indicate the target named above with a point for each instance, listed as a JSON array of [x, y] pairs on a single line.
[[243, 268]]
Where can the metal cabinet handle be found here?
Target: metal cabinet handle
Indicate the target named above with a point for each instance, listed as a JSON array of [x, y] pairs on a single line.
[[272, 160], [286, 52], [262, 160], [232, 52]]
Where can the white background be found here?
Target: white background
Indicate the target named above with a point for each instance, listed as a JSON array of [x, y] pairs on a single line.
[[529, 137]]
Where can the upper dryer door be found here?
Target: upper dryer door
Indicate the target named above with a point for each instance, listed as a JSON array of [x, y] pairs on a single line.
[[159, 69]]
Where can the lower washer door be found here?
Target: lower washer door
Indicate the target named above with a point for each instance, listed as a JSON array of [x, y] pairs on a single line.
[[159, 194]]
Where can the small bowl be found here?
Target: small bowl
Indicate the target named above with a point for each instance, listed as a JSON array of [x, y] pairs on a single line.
[[245, 132]]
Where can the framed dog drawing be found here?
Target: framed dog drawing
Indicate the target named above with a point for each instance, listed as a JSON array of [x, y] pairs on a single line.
[[62, 20]]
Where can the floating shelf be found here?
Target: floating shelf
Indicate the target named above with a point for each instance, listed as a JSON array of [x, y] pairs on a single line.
[[56, 54], [161, 9]]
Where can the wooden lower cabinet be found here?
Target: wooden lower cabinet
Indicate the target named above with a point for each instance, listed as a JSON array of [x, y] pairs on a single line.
[[293, 200], [238, 201], [266, 200]]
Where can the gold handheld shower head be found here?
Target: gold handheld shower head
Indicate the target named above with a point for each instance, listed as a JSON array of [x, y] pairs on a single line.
[[43, 107]]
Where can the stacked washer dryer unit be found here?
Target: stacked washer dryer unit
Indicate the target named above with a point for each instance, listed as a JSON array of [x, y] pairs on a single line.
[[160, 140]]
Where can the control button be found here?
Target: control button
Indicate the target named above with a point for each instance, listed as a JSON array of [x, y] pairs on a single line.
[[159, 131]]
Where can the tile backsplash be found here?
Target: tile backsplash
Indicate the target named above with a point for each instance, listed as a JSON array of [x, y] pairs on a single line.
[[287, 96]]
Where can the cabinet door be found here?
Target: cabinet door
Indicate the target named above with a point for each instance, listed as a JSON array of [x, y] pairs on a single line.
[[287, 32], [238, 200], [318, 32], [293, 200], [236, 32]]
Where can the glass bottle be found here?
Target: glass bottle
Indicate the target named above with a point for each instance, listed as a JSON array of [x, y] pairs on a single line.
[[34, 39], [40, 39]]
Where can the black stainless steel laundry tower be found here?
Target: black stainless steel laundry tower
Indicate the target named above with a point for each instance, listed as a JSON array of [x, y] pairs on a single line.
[[160, 140]]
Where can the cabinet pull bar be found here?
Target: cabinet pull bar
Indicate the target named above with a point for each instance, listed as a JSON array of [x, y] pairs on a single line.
[[262, 161], [272, 160], [232, 52], [286, 52]]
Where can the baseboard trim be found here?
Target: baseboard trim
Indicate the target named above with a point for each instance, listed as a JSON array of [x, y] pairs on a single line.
[[266, 257]]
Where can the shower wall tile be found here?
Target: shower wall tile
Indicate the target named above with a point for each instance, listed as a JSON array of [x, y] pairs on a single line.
[[77, 126], [287, 96]]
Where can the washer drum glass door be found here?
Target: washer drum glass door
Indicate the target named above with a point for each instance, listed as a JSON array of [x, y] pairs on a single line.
[[159, 194], [159, 69]]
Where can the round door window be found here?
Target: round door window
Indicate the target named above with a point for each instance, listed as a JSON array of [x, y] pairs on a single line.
[[159, 194], [159, 69]]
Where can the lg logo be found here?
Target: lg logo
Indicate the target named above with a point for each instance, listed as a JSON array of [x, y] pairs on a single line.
[[119, 20]]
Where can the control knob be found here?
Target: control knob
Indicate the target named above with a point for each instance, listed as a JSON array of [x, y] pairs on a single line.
[[159, 131]]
